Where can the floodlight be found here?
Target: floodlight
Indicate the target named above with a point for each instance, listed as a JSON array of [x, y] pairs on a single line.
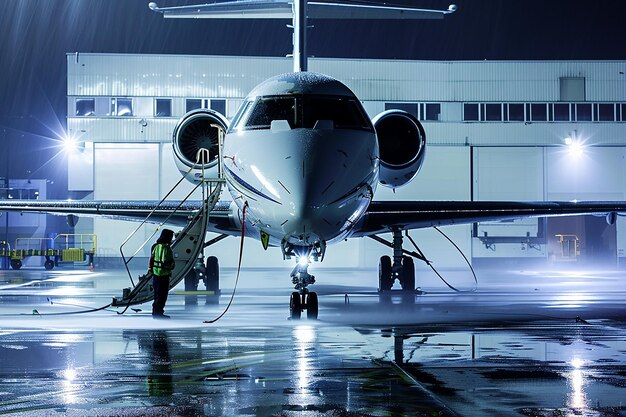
[[70, 144], [576, 148]]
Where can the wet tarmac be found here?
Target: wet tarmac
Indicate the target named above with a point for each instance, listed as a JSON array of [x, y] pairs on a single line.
[[540, 343]]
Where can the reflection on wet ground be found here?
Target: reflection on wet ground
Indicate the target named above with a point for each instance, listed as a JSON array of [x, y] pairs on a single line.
[[548, 344]]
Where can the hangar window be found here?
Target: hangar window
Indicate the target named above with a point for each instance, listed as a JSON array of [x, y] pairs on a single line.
[[122, 107], [410, 108], [605, 112], [470, 112], [85, 106], [623, 112], [538, 112], [515, 112], [193, 104], [561, 112], [267, 109], [219, 106], [583, 112], [492, 112], [433, 111], [163, 107]]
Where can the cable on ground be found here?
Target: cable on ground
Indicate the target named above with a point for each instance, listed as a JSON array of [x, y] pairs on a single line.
[[232, 296]]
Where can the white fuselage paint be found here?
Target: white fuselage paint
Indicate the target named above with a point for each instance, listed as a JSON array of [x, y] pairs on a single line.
[[302, 185]]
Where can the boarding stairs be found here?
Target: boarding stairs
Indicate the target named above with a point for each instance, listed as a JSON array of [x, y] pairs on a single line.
[[187, 245]]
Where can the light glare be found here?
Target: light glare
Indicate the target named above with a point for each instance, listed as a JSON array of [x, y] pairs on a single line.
[[70, 144], [576, 148]]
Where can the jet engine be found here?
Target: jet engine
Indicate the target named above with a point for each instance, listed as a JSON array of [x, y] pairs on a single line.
[[197, 130], [402, 146]]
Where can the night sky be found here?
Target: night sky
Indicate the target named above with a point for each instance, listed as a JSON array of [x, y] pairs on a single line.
[[35, 35]]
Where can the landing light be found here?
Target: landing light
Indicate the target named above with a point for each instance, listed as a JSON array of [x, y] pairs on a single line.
[[303, 260]]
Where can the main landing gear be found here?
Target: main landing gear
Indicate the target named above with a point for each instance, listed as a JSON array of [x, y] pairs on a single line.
[[210, 275], [303, 299], [402, 268]]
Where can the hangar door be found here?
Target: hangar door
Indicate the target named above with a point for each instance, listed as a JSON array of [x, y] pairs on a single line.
[[508, 174], [595, 174], [124, 172]]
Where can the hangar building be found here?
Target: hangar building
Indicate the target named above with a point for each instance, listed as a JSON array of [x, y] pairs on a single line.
[[495, 131]]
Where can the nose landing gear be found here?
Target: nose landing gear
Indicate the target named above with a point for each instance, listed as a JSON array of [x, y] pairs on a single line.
[[303, 299]]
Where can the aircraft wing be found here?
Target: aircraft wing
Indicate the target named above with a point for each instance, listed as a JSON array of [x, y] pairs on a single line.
[[178, 213], [282, 9], [384, 216]]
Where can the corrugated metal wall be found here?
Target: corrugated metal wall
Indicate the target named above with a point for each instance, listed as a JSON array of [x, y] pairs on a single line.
[[446, 174], [168, 75], [234, 77]]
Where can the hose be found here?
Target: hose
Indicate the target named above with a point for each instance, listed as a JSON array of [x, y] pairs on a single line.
[[232, 296]]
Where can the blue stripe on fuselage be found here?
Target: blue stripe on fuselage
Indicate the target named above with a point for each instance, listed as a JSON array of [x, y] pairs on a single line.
[[248, 187]]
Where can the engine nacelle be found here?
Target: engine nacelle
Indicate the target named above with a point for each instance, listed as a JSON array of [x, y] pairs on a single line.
[[402, 146], [198, 129]]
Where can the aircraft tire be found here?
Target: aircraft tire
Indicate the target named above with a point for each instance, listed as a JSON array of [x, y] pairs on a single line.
[[212, 279], [385, 281], [212, 282], [295, 306], [48, 265], [311, 306], [16, 264], [408, 274]]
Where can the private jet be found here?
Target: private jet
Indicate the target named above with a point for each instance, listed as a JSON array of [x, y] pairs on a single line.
[[302, 161]]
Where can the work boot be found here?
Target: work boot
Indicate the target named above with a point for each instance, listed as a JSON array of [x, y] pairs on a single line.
[[160, 316]]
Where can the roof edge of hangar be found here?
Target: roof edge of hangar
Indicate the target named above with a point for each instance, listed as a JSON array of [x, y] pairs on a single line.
[[301, 83]]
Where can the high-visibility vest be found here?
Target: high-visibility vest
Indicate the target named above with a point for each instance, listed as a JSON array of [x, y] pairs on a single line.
[[163, 260]]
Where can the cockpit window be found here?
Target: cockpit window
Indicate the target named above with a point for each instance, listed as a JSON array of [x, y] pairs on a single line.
[[267, 109], [302, 111], [344, 112]]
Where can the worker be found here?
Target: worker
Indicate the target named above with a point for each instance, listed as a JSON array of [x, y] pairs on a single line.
[[161, 264]]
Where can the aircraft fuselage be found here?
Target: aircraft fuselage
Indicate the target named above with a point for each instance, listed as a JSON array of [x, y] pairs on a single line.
[[303, 155]]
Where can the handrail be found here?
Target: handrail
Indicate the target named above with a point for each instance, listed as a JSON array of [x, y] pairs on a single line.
[[29, 239], [82, 244], [202, 158]]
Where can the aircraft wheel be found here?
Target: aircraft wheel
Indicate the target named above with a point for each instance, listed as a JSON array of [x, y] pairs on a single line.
[[408, 274], [295, 306], [212, 278], [191, 284], [311, 306], [48, 265], [385, 280], [16, 264]]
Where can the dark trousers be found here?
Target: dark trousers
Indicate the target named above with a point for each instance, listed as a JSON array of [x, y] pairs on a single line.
[[161, 287]]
